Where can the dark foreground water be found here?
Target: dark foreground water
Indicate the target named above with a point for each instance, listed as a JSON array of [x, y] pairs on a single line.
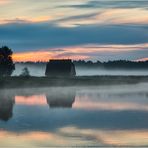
[[105, 116]]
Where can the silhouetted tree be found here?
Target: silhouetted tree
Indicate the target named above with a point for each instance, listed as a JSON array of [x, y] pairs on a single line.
[[25, 72], [6, 63]]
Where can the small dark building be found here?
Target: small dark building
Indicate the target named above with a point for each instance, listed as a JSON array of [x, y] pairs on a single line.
[[60, 68]]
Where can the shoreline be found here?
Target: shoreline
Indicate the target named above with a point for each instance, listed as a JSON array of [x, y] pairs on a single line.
[[32, 82]]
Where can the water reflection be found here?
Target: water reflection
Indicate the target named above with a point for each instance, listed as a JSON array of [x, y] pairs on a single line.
[[33, 100], [60, 98], [6, 106], [56, 98], [103, 116]]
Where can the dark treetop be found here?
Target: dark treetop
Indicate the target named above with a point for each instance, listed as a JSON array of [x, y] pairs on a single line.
[[6, 63]]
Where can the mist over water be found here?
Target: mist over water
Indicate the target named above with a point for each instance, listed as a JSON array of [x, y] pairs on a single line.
[[39, 70], [114, 115], [96, 116], [91, 72], [34, 70]]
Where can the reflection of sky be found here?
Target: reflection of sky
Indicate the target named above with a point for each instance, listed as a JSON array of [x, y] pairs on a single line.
[[31, 100], [102, 116], [72, 136], [66, 29]]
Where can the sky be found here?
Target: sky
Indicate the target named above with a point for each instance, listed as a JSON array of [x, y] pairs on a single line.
[[39, 30]]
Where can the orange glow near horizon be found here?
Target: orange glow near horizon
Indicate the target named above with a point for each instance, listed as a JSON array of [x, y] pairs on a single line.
[[77, 53], [4, 2], [143, 59], [43, 56], [32, 56]]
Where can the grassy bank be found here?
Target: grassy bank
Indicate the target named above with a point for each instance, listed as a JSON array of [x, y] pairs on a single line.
[[20, 82]]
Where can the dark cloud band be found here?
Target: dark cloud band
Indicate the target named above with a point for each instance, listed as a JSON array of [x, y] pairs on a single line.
[[26, 36]]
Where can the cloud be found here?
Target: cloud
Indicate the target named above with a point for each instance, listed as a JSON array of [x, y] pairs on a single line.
[[70, 136], [103, 17], [4, 2], [85, 41], [64, 14], [46, 55], [107, 16], [26, 21], [36, 36], [32, 139], [110, 4], [109, 138], [93, 52]]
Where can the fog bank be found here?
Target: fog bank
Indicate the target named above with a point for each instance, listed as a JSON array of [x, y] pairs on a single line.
[[39, 70]]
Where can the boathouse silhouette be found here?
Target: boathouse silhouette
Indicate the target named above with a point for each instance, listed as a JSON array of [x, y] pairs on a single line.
[[60, 68]]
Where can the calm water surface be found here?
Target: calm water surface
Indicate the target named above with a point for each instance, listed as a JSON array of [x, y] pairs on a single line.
[[105, 116]]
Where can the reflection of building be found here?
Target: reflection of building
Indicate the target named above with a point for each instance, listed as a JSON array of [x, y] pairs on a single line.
[[56, 97], [60, 98], [60, 68], [6, 107]]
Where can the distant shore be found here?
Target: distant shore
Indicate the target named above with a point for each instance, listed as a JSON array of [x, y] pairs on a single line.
[[30, 82]]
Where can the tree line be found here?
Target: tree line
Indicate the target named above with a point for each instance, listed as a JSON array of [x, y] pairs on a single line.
[[7, 66], [118, 64]]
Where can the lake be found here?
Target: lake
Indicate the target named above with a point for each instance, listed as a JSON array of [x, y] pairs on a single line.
[[103, 116]]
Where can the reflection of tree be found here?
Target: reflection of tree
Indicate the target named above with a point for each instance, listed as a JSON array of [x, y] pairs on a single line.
[[6, 106], [60, 98]]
